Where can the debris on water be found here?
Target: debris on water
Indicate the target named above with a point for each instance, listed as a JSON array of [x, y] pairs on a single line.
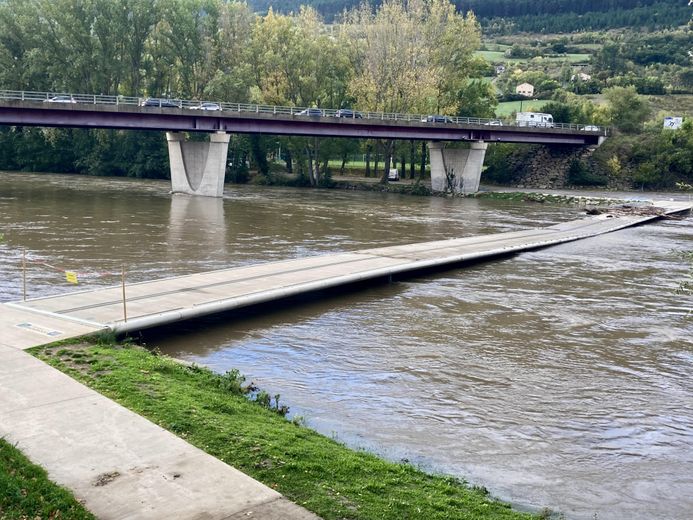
[[625, 210]]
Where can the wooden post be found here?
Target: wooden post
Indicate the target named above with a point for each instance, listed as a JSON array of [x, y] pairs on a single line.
[[24, 273], [125, 310]]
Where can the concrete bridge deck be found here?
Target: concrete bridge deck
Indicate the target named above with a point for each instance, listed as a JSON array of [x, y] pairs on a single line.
[[78, 435]]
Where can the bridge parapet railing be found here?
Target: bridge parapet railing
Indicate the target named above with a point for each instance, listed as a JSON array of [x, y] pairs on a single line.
[[250, 108]]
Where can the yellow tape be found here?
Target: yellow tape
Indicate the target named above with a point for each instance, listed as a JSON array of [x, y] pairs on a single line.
[[71, 276]]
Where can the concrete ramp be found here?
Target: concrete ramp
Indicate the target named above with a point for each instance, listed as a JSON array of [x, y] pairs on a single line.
[[159, 302]]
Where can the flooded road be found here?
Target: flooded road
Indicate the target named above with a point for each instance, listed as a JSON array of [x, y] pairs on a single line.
[[559, 378]]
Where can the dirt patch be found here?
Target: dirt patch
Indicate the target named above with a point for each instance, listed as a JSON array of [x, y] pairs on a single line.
[[105, 478]]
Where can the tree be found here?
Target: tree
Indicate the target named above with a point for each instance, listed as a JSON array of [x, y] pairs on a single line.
[[413, 56], [627, 110], [477, 99]]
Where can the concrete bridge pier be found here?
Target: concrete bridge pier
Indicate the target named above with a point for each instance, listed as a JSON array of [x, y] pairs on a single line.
[[198, 168], [456, 170]]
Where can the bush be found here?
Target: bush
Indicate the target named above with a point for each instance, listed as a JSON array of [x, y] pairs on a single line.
[[579, 175]]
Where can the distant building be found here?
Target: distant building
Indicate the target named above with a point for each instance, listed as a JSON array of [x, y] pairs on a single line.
[[525, 89], [580, 76], [500, 69]]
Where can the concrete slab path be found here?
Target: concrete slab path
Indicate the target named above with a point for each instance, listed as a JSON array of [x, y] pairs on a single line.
[[121, 465]]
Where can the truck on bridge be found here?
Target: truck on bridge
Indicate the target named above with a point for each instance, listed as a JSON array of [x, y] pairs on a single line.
[[534, 119]]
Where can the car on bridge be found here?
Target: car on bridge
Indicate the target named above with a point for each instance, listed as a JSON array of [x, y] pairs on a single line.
[[211, 107], [437, 119], [60, 99], [313, 112], [494, 122], [348, 112], [161, 103]]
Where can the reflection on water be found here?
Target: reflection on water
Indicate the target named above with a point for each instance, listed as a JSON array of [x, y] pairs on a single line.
[[198, 220], [559, 378]]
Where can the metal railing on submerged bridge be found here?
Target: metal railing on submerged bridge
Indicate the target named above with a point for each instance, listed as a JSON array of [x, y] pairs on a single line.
[[154, 102]]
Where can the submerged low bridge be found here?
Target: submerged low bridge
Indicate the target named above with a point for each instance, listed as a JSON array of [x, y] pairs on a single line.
[[149, 304], [198, 167]]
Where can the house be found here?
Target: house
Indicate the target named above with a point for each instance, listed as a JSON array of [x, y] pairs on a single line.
[[580, 76], [500, 69], [525, 89]]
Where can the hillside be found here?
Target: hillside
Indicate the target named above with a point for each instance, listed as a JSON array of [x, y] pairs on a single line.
[[549, 16]]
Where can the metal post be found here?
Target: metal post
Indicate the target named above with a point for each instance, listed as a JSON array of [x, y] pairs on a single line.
[[125, 310], [24, 273]]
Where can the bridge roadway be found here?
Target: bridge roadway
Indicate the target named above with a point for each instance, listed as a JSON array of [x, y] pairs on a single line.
[[241, 118], [79, 436]]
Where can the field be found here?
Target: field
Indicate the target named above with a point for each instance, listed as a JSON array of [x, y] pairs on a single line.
[[499, 57], [506, 108]]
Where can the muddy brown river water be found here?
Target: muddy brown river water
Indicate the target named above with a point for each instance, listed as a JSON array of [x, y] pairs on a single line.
[[559, 378]]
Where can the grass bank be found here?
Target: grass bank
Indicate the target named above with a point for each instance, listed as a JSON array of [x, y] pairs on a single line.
[[27, 493], [214, 413]]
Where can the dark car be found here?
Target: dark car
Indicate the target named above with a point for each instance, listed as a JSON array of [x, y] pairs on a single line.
[[348, 112], [436, 119], [310, 112], [162, 103]]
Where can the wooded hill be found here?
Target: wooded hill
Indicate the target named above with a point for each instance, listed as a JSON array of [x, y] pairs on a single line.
[[550, 16]]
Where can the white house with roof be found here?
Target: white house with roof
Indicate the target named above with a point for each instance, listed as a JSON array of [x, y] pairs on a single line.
[[525, 89]]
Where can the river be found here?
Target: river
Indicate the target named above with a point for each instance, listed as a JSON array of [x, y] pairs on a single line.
[[558, 378]]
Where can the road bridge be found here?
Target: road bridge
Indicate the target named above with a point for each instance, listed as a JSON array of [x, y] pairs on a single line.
[[198, 168]]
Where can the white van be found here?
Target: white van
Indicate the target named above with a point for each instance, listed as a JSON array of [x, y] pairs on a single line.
[[534, 119]]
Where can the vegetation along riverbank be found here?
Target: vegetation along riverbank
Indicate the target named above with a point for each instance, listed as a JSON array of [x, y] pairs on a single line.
[[246, 428]]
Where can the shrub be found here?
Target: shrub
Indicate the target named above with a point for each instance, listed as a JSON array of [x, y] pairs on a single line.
[[579, 175]]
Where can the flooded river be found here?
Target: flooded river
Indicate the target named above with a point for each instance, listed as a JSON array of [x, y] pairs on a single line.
[[559, 378]]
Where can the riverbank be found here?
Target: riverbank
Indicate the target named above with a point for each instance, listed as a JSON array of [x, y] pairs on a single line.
[[26, 491], [573, 197], [213, 412]]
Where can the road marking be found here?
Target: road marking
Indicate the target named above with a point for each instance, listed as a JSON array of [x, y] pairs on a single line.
[[38, 329]]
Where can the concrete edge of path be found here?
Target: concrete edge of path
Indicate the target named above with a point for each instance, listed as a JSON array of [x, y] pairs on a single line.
[[117, 463]]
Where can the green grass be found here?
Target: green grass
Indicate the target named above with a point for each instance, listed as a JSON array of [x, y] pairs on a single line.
[[26, 492], [675, 105], [508, 107], [499, 57], [211, 412], [573, 58], [492, 56]]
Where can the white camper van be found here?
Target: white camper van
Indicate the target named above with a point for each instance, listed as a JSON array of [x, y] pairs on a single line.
[[534, 119]]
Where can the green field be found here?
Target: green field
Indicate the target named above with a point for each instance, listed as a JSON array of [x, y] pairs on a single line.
[[506, 108], [499, 57], [492, 56]]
